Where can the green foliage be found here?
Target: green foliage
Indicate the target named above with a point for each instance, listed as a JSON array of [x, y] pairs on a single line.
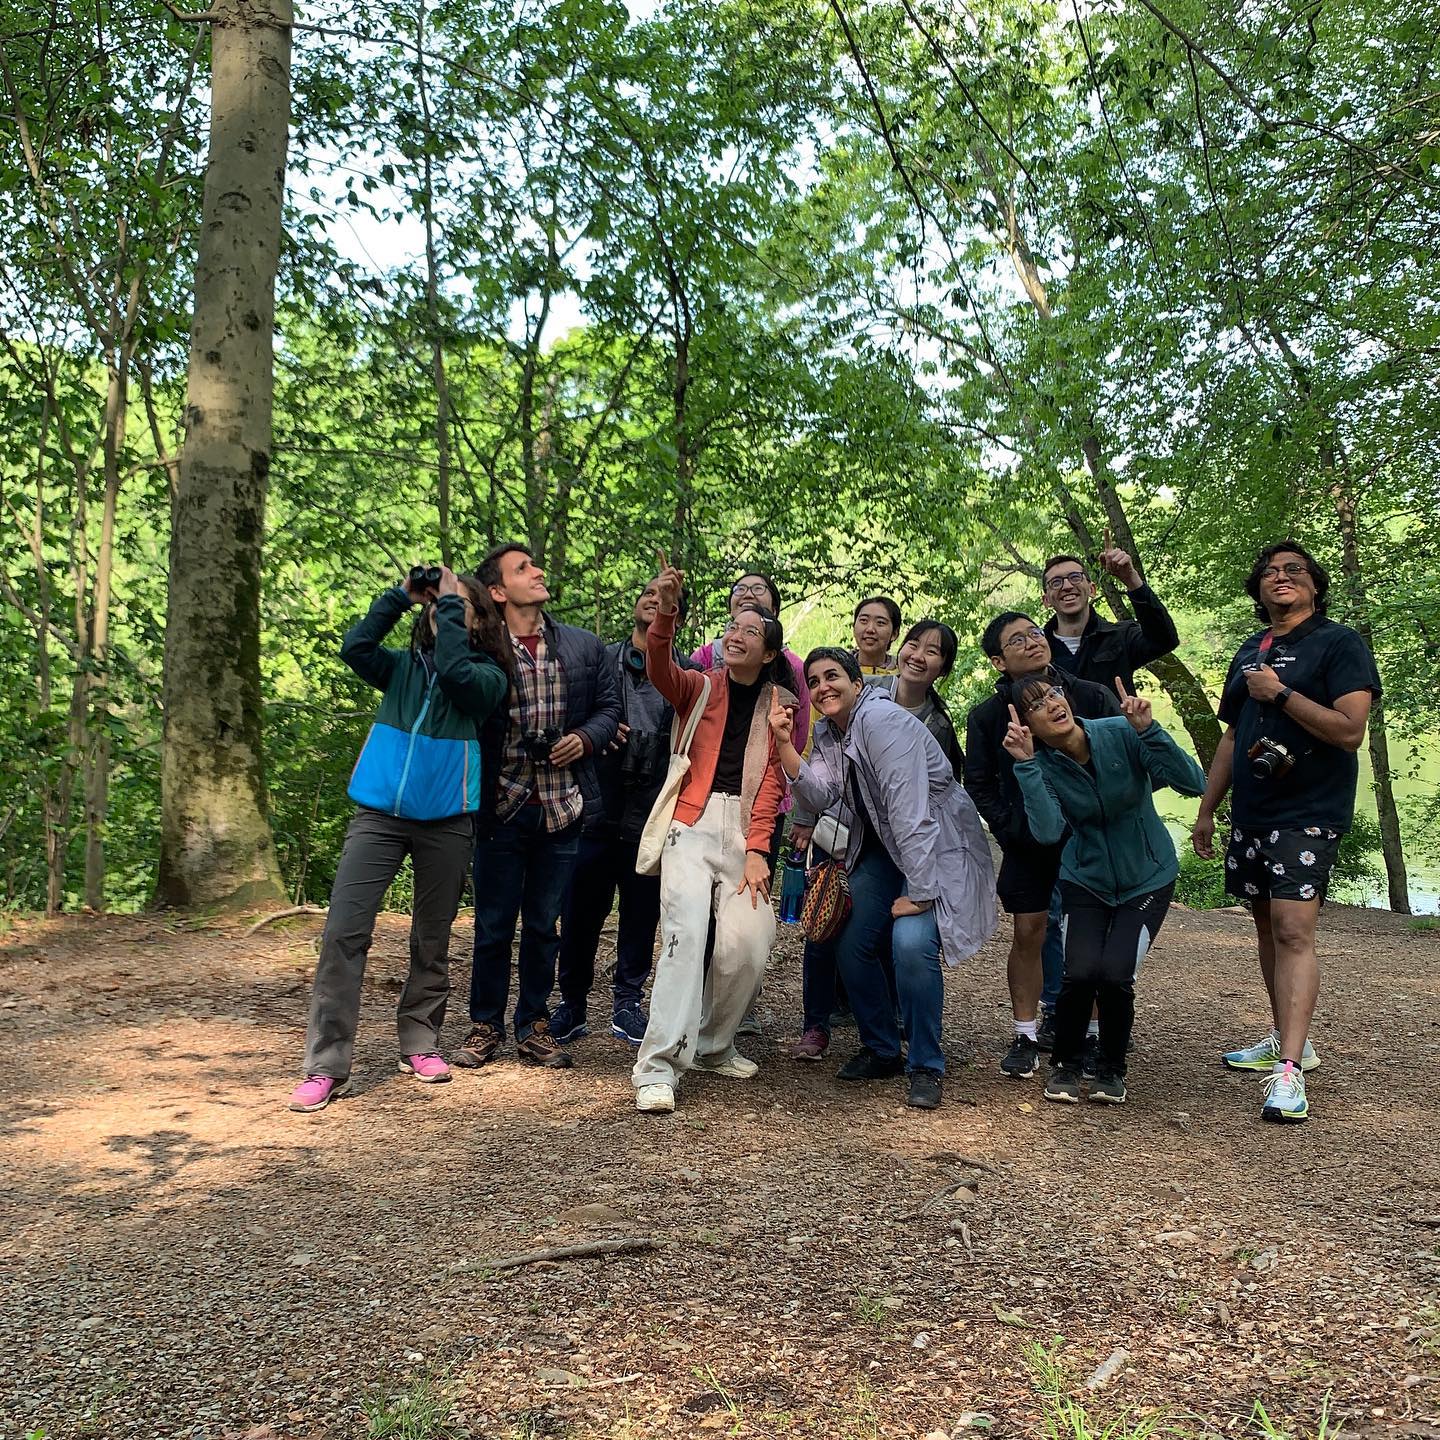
[[904, 305]]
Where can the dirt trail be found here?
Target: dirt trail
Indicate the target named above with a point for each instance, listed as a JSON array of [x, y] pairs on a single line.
[[183, 1257]]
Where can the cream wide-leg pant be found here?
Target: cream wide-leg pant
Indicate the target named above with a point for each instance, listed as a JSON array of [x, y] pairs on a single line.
[[691, 1012]]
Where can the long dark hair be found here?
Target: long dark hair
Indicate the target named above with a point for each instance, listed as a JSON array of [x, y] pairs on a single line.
[[486, 629], [778, 670]]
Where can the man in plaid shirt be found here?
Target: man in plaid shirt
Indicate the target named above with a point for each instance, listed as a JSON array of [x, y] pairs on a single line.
[[564, 708]]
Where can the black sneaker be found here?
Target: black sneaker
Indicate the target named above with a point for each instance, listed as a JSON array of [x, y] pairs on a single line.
[[1045, 1035], [1022, 1059], [1090, 1057], [629, 1024], [1108, 1090], [924, 1090], [567, 1023], [1063, 1086], [865, 1064]]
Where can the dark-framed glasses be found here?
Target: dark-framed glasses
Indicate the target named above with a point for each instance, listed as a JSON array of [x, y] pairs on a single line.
[[1024, 638], [1291, 570], [1070, 577]]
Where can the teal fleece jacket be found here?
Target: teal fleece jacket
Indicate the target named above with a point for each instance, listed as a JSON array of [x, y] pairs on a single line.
[[1118, 847]]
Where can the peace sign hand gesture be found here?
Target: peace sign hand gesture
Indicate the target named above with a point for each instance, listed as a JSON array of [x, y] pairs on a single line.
[[1135, 708], [1018, 742], [669, 582]]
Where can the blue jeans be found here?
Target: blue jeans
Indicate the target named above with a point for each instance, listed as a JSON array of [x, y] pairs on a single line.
[[1052, 955], [606, 864], [864, 951], [520, 871]]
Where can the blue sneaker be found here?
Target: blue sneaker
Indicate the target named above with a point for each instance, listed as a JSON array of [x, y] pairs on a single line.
[[1285, 1095], [567, 1023], [629, 1024], [1264, 1055]]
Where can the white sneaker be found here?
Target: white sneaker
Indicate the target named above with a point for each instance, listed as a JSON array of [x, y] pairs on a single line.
[[1285, 1095], [734, 1065], [655, 1099], [1264, 1054]]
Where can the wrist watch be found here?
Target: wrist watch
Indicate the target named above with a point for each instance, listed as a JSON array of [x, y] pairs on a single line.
[[1283, 698]]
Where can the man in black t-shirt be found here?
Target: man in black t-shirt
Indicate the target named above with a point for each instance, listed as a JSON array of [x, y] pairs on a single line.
[[1295, 705]]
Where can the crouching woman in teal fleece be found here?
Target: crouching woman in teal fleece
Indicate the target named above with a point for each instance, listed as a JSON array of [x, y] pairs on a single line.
[[416, 783], [1118, 868]]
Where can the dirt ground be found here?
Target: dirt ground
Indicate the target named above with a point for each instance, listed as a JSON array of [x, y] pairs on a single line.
[[184, 1257]]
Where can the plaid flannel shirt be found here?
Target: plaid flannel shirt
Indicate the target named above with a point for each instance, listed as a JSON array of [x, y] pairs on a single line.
[[537, 703]]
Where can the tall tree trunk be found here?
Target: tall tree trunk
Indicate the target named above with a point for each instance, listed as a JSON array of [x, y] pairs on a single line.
[[215, 843], [1387, 813], [432, 301]]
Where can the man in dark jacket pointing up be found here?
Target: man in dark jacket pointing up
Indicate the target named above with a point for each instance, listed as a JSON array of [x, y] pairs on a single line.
[[1097, 650]]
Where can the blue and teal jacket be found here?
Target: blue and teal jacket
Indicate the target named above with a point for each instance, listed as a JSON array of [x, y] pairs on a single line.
[[1119, 847], [421, 759]]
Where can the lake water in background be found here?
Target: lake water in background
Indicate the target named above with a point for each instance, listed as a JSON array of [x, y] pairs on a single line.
[[1411, 792]]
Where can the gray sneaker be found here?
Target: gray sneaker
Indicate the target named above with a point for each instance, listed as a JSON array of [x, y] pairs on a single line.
[[750, 1025], [1108, 1090], [1063, 1086]]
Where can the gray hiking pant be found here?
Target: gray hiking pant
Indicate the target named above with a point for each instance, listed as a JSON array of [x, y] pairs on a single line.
[[375, 848]]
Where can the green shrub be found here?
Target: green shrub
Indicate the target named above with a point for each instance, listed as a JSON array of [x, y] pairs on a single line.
[[1200, 883]]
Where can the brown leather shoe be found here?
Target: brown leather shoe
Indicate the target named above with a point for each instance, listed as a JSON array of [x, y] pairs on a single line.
[[539, 1047], [479, 1047]]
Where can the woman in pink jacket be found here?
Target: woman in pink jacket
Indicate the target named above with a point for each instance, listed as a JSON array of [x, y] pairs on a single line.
[[716, 856]]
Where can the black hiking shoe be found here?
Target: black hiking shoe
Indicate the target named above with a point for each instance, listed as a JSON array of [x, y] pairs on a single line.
[[924, 1090], [1108, 1090], [865, 1064]]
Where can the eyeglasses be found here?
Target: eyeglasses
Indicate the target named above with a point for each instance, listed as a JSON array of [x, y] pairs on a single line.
[[758, 587], [1024, 638], [1072, 577], [1291, 571], [749, 631], [1053, 693]]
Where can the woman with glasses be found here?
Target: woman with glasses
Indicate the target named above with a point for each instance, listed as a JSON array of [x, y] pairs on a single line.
[[1017, 648], [715, 863], [754, 588], [1089, 785]]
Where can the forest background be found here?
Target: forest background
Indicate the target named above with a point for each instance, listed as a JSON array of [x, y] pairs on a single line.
[[890, 295]]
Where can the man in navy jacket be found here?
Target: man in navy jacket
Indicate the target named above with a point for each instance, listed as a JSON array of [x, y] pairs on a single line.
[[538, 780]]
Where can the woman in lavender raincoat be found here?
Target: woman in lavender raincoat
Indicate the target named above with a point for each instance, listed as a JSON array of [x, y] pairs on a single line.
[[921, 879]]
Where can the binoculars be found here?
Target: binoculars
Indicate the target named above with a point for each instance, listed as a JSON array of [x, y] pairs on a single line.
[[424, 576]]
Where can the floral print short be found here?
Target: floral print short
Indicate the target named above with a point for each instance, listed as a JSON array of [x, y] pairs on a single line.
[[1280, 864]]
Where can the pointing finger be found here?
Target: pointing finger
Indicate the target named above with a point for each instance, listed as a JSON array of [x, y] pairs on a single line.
[[1120, 688], [1014, 718]]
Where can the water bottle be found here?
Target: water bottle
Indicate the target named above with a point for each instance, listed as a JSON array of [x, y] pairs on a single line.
[[792, 887]]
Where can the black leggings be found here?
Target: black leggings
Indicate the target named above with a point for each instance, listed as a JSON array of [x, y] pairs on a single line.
[[1104, 945]]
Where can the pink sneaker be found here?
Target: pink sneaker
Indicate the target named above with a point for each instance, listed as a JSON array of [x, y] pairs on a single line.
[[315, 1092], [429, 1068]]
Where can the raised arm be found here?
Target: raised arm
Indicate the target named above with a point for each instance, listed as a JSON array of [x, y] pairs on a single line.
[[471, 679], [362, 649]]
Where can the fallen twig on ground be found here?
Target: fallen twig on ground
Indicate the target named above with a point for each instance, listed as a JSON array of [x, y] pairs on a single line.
[[583, 1250], [285, 914]]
